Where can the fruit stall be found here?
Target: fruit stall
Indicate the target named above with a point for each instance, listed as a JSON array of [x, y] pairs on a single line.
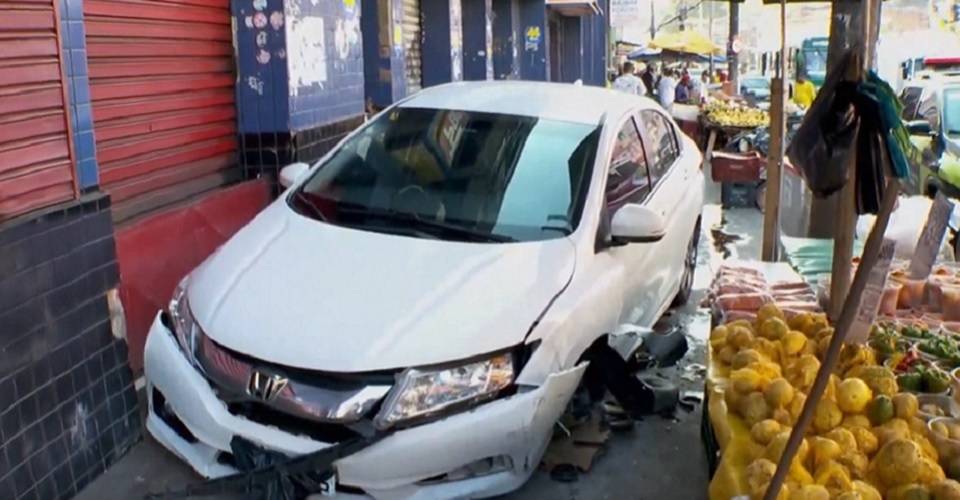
[[887, 424]]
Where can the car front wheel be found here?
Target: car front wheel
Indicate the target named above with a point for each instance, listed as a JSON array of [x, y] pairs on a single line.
[[689, 268]]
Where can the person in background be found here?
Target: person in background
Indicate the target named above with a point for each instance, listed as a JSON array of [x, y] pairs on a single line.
[[803, 91], [629, 82], [649, 79], [696, 89], [667, 90], [683, 88]]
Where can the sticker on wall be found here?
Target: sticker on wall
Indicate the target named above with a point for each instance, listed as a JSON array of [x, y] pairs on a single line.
[[255, 84], [276, 20], [259, 20], [261, 39], [397, 36], [532, 38], [259, 4], [281, 54], [263, 57], [248, 20], [307, 52]]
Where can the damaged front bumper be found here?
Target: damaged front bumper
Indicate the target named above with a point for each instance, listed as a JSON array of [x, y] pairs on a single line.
[[441, 459]]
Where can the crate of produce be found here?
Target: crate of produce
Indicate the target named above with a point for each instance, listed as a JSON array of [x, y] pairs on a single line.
[[737, 167]]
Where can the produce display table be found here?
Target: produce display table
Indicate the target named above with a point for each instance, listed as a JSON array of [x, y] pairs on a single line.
[[714, 132], [726, 436], [888, 424]]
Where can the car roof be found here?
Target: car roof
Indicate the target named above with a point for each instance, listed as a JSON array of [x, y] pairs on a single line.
[[554, 101]]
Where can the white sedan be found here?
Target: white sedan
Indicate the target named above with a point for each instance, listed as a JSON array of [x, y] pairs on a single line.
[[429, 289]]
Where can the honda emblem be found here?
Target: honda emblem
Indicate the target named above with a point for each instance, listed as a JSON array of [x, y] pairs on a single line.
[[265, 386]]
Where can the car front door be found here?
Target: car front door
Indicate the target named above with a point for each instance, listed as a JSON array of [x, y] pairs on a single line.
[[671, 178], [628, 181]]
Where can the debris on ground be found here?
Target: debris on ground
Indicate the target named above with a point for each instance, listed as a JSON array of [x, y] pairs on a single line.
[[577, 447]]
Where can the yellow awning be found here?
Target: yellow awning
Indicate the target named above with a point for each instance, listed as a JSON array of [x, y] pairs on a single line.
[[690, 42]]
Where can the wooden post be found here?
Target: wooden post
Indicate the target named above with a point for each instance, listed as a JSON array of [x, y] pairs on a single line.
[[845, 232], [871, 253], [771, 206]]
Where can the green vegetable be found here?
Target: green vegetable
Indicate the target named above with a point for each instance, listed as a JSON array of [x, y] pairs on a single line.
[[935, 380], [910, 381]]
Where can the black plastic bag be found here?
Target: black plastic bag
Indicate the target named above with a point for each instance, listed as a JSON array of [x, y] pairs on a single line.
[[827, 137]]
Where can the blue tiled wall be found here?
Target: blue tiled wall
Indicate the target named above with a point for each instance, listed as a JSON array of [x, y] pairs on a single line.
[[268, 97], [262, 79], [81, 114]]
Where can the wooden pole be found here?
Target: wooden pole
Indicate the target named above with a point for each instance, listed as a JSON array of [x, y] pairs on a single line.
[[871, 253], [771, 206]]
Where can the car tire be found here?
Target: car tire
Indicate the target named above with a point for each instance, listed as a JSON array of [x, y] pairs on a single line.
[[689, 268]]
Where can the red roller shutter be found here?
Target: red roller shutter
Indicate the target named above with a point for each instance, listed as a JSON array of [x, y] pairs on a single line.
[[35, 161], [162, 85]]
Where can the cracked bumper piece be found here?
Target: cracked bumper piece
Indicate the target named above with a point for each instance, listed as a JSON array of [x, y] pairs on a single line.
[[487, 451]]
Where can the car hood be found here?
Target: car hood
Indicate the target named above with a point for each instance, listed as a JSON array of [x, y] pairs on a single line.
[[297, 292]]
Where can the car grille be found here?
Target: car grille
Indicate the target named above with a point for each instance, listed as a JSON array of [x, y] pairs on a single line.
[[330, 407]]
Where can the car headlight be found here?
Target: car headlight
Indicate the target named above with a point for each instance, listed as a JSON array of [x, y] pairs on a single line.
[[421, 392], [184, 327]]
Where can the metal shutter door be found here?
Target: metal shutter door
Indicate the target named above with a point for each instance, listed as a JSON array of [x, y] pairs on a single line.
[[35, 161], [411, 44], [162, 85]]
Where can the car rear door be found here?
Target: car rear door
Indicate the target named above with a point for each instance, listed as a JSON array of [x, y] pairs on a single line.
[[672, 181]]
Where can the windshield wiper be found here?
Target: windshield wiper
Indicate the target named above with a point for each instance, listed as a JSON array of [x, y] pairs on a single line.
[[412, 220]]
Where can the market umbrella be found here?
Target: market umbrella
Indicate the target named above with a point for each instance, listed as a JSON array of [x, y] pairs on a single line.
[[644, 53], [689, 42]]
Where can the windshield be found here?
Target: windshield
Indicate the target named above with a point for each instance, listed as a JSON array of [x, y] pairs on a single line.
[[456, 175], [951, 111], [815, 60]]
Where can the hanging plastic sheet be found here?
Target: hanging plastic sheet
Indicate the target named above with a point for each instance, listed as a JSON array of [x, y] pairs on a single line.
[[853, 118]]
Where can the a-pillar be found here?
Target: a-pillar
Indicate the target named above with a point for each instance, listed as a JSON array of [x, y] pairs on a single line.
[[300, 79], [478, 40], [442, 41]]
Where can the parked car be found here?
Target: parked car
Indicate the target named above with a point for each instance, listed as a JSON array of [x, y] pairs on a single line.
[[755, 87], [430, 287], [931, 111]]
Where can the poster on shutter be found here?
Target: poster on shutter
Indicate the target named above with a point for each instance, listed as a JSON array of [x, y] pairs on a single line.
[[872, 294], [306, 53], [928, 246]]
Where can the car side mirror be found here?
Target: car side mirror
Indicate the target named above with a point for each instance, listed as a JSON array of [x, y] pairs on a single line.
[[919, 127], [290, 174], [635, 223]]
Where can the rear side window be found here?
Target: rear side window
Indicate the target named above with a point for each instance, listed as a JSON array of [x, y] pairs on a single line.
[[910, 98], [628, 180], [661, 141]]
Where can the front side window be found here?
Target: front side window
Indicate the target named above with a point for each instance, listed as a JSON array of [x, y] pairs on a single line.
[[661, 143], [628, 180], [456, 175]]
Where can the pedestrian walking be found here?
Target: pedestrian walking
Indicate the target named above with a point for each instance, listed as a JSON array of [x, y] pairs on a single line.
[[629, 82]]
